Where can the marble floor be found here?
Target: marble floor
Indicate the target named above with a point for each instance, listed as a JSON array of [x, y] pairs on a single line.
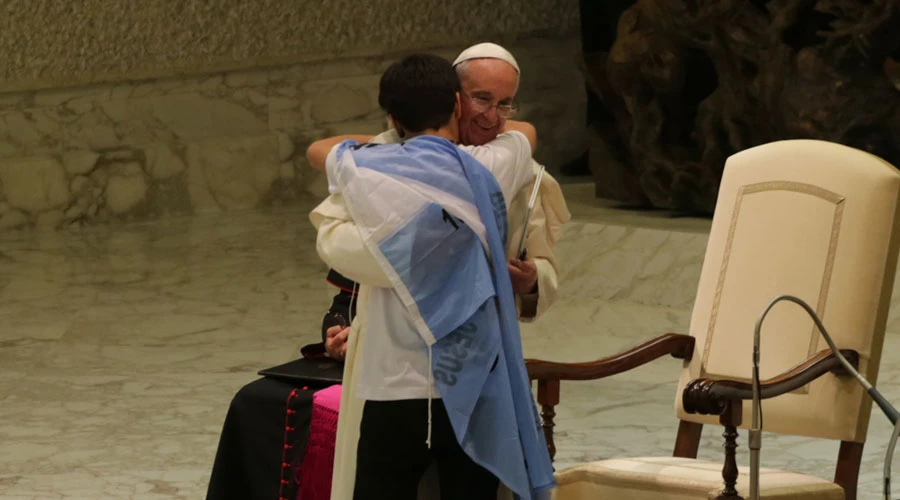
[[122, 345]]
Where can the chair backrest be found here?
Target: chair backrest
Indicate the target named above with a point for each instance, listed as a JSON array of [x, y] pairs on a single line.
[[812, 219]]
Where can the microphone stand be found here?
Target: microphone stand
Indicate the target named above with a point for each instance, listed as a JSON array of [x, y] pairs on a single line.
[[755, 439], [888, 457]]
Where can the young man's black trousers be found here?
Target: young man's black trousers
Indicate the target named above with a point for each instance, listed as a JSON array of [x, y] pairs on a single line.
[[392, 454]]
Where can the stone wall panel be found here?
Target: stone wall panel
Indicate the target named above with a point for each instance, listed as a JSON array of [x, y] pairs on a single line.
[[226, 141], [57, 43]]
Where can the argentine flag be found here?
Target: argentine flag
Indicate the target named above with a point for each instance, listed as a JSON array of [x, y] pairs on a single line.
[[435, 220]]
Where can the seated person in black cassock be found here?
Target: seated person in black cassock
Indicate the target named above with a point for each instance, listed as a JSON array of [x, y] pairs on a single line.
[[251, 458]]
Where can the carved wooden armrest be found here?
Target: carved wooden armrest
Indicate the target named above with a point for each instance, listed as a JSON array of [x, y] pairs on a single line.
[[679, 346], [725, 397], [711, 397], [549, 373]]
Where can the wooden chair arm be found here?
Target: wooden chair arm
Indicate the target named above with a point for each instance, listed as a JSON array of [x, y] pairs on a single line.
[[725, 398], [549, 373], [679, 346], [712, 397]]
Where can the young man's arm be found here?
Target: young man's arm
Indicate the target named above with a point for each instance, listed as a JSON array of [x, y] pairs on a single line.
[[540, 266], [508, 157], [318, 151], [340, 244], [526, 129]]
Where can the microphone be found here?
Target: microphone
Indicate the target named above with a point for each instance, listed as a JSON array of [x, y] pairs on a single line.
[[755, 434]]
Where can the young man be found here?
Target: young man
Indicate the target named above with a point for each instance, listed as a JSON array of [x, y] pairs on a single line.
[[431, 347], [489, 78]]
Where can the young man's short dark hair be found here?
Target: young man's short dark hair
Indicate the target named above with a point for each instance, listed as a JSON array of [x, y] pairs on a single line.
[[419, 91]]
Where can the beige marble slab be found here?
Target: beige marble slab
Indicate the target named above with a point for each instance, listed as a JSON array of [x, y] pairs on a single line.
[[122, 345]]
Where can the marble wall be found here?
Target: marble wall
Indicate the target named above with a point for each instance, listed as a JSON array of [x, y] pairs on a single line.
[[60, 43], [204, 108]]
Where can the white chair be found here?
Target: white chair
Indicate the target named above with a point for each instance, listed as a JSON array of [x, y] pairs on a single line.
[[808, 218]]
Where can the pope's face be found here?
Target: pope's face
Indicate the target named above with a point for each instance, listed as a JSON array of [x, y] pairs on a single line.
[[486, 84]]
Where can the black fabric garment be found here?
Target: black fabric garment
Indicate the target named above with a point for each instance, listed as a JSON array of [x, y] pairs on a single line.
[[248, 464], [343, 305], [342, 282], [264, 416], [392, 454]]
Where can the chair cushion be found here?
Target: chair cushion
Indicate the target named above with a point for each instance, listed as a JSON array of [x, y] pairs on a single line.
[[681, 479]]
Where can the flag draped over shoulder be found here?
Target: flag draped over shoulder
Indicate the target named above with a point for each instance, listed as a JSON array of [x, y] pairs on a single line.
[[435, 220]]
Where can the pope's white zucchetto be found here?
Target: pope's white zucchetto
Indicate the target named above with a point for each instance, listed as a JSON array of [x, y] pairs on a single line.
[[487, 50]]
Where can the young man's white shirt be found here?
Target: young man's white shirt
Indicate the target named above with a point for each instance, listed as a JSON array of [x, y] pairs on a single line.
[[395, 365]]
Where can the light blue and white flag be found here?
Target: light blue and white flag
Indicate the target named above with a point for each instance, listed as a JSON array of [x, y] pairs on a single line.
[[435, 220]]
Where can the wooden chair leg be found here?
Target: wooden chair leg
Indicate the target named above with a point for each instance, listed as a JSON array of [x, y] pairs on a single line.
[[731, 419], [846, 474], [548, 398], [687, 442]]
